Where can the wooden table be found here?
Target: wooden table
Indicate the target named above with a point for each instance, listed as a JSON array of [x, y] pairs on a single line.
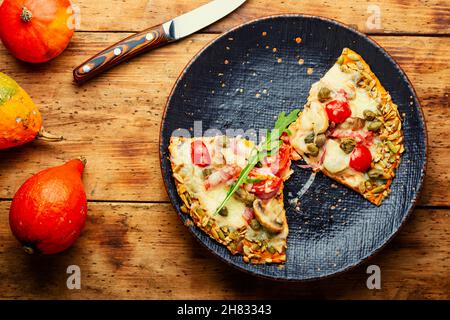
[[134, 245]]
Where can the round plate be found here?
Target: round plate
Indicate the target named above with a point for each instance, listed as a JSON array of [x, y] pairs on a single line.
[[243, 80]]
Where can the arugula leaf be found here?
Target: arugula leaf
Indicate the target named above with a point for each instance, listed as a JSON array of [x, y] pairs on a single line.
[[252, 180], [270, 145]]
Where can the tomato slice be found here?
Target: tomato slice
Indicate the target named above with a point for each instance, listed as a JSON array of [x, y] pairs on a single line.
[[280, 161], [338, 111], [360, 159], [200, 154], [267, 188]]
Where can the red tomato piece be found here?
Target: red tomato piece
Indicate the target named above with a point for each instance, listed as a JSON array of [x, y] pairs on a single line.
[[360, 159], [280, 161], [200, 154], [338, 111], [266, 189]]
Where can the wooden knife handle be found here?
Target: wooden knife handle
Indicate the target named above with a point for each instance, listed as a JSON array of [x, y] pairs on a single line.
[[127, 48]]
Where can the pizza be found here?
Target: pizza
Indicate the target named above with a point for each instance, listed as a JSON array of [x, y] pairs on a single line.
[[253, 222], [350, 129]]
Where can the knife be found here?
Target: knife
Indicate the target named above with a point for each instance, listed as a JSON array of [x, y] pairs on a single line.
[[154, 37]]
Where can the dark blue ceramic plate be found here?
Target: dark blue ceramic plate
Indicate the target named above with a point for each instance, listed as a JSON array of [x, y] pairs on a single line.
[[239, 81]]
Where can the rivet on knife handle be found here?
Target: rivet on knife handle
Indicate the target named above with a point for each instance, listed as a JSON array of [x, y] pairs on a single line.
[[121, 51]]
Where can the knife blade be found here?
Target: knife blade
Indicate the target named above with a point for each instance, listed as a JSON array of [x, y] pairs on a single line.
[[170, 31], [200, 18]]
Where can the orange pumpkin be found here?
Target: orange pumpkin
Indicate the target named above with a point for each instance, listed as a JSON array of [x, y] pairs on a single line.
[[20, 119], [36, 30], [49, 210]]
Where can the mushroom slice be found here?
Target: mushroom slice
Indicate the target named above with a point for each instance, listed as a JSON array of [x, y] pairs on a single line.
[[270, 214]]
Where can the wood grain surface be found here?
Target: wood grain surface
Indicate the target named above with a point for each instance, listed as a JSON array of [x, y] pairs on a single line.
[[142, 251], [397, 16], [134, 245]]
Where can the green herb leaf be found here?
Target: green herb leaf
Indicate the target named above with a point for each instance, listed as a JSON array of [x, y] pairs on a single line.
[[267, 147], [255, 180], [253, 160]]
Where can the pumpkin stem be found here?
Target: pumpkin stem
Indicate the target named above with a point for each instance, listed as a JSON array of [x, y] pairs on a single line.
[[47, 136], [26, 15], [83, 159]]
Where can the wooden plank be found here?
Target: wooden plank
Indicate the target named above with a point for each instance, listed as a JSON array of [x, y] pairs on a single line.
[[114, 120], [396, 16], [140, 251]]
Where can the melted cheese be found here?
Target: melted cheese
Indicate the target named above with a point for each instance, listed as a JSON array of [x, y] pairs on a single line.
[[335, 79], [239, 154], [178, 152], [335, 160], [362, 102], [312, 119], [298, 142], [213, 198], [353, 178], [318, 117]]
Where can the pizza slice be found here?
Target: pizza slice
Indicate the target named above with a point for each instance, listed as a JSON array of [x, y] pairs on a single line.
[[253, 222], [350, 129]]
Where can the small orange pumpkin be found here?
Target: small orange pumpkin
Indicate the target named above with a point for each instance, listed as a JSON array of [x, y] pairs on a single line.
[[49, 210], [36, 30], [20, 119]]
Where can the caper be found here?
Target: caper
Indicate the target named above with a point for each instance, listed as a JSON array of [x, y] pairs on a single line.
[[359, 124], [206, 172], [320, 140], [369, 115], [324, 94], [354, 123], [245, 196], [374, 126], [375, 173], [254, 224], [347, 145], [309, 138], [312, 149], [223, 212], [271, 250]]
